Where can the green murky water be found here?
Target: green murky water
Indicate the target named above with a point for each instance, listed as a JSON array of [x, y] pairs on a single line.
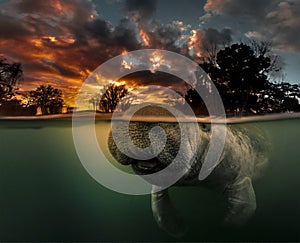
[[46, 194]]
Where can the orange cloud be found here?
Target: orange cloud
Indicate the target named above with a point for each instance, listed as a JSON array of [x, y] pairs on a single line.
[[58, 42], [214, 5]]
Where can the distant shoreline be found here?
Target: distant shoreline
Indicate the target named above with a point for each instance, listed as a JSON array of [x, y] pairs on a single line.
[[107, 117]]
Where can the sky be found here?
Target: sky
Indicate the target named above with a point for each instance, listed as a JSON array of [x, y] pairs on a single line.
[[60, 42]]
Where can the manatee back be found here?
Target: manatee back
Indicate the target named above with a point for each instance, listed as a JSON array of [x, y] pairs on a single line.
[[261, 149], [246, 150]]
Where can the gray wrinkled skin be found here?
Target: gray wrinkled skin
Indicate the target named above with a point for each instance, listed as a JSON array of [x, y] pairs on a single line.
[[244, 158]]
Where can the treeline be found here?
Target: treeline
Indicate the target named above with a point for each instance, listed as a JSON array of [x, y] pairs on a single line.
[[13, 102], [244, 74]]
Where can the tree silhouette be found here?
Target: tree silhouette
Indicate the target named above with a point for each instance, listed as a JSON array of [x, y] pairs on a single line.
[[196, 102], [280, 97], [242, 76], [244, 73], [10, 75], [49, 99], [94, 101], [112, 95], [264, 48]]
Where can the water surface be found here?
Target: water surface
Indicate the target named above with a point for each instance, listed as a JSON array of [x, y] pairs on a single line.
[[46, 194]]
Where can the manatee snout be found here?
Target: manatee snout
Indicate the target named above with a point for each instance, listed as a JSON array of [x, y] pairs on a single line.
[[154, 161], [159, 154]]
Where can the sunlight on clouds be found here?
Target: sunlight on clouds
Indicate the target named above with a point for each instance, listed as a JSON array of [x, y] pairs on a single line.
[[127, 65], [52, 38], [37, 42], [193, 39], [156, 95], [157, 61], [145, 37]]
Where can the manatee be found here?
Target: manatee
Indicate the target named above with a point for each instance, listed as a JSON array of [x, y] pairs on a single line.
[[243, 159]]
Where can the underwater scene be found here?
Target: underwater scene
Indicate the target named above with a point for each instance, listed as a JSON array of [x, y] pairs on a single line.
[[47, 195]]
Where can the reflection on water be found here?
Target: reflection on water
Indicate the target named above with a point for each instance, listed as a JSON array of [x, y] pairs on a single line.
[[46, 195]]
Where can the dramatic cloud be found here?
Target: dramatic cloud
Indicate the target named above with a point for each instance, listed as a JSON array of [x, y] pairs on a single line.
[[205, 40], [12, 29], [60, 42], [238, 8], [165, 36], [274, 20], [153, 33], [146, 78], [72, 9], [283, 24]]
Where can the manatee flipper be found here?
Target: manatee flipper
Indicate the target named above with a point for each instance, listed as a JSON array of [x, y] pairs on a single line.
[[241, 202], [166, 215]]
